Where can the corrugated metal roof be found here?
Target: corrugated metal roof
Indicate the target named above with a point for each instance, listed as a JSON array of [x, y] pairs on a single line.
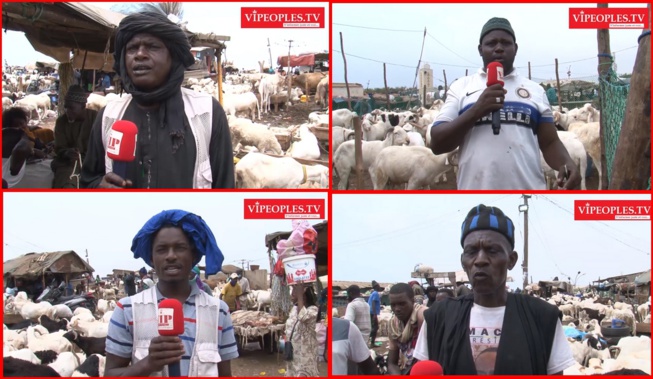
[[33, 265]]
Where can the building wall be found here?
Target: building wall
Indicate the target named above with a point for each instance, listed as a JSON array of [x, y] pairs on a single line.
[[339, 90]]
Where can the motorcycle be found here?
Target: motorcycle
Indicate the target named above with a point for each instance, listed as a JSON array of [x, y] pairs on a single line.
[[53, 295]]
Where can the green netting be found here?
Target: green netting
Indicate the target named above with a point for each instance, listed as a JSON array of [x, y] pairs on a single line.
[[613, 93]]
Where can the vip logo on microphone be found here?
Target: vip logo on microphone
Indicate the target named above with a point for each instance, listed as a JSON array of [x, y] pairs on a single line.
[[166, 319], [500, 73], [115, 141]]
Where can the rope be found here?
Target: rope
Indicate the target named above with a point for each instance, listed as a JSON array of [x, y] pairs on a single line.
[[644, 34]]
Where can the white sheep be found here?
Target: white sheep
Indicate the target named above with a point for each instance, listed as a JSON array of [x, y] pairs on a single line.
[[32, 311], [245, 132], [24, 354], [59, 311], [39, 339], [588, 134], [256, 170], [96, 102], [66, 363], [339, 135], [344, 159], [416, 166], [576, 151], [307, 147], [343, 117]]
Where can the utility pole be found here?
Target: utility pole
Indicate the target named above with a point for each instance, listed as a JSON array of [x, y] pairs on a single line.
[[524, 208], [270, 52], [288, 74], [89, 263]]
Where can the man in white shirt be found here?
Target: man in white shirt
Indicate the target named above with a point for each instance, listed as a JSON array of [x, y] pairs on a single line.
[[358, 311], [491, 331], [511, 159], [349, 346]]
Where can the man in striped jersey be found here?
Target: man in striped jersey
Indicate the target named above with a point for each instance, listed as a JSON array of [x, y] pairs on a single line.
[[172, 242]]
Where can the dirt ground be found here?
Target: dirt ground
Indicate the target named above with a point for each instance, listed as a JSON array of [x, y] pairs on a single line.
[[254, 362], [592, 181]]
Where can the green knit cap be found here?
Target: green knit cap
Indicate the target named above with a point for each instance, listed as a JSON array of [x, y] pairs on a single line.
[[497, 23]]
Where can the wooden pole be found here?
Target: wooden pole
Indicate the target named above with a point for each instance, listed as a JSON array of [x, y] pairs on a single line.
[[558, 87], [424, 95], [290, 74], [93, 83], [466, 72], [219, 71], [342, 49], [605, 61], [358, 152], [631, 168], [387, 92], [529, 70]]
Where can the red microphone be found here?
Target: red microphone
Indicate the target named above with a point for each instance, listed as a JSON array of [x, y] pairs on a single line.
[[171, 323], [122, 145], [426, 368], [494, 76]]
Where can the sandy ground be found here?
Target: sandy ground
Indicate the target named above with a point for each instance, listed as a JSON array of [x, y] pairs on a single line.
[[254, 362]]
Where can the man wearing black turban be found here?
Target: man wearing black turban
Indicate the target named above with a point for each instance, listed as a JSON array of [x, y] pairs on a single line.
[[183, 136]]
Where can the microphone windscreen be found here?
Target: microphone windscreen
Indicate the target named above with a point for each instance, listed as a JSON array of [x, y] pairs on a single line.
[[494, 73], [426, 368], [171, 318], [122, 141]]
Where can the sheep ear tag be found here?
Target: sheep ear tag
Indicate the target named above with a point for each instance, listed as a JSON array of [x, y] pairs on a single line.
[[523, 93]]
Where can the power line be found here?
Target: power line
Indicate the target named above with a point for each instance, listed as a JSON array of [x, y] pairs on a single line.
[[591, 225], [372, 28], [453, 52], [400, 65], [578, 60]]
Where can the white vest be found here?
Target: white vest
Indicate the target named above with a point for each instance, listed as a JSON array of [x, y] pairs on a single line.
[[205, 356], [198, 108]]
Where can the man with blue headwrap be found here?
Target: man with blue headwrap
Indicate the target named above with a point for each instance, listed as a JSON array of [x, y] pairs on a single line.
[[172, 242]]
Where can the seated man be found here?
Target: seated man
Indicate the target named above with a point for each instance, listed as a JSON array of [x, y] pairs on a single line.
[[22, 160], [71, 134]]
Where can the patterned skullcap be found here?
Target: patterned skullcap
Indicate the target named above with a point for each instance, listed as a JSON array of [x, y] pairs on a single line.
[[482, 217]]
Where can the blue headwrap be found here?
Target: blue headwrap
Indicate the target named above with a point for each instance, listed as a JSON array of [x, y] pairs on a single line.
[[194, 227]]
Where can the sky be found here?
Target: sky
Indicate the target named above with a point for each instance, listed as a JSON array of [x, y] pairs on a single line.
[[390, 234], [105, 224], [453, 30], [246, 48]]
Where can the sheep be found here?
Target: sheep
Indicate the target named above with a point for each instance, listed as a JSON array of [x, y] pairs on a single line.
[[576, 151], [96, 102], [6, 103], [104, 306], [378, 130], [415, 165], [344, 159], [424, 269], [622, 314], [307, 147], [20, 368], [340, 135], [65, 364], [588, 134], [16, 339], [343, 117], [46, 356], [245, 132], [261, 298], [242, 102], [39, 339], [107, 317], [81, 310], [319, 118], [89, 345], [24, 354], [88, 328], [60, 311], [643, 310], [93, 366], [51, 325], [334, 312], [321, 93], [256, 170], [32, 311]]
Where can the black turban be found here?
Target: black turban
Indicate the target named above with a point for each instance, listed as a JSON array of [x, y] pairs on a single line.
[[171, 109]]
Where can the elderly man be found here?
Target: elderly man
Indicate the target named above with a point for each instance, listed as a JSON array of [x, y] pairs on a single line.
[[511, 159], [172, 242], [464, 334], [183, 137], [71, 134]]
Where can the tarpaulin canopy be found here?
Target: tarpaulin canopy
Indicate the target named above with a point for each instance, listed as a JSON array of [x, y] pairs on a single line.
[[34, 265], [56, 29], [302, 59]]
